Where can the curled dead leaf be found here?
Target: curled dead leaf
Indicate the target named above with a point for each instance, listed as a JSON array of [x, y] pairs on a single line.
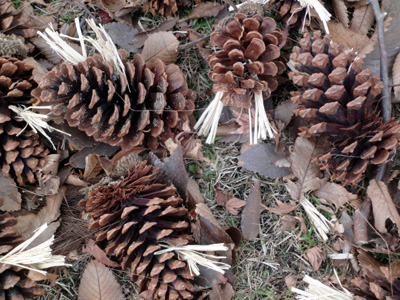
[[251, 214], [99, 254]]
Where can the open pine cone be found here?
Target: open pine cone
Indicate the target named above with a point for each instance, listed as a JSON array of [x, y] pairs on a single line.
[[249, 60], [132, 216], [14, 282], [21, 152], [146, 108], [340, 101]]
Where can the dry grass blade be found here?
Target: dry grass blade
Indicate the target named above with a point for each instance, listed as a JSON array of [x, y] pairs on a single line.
[[98, 282], [193, 255]]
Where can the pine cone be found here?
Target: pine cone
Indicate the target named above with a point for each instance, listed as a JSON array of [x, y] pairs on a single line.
[[21, 151], [249, 61], [13, 21], [132, 217], [164, 7], [14, 283], [152, 105], [340, 101]]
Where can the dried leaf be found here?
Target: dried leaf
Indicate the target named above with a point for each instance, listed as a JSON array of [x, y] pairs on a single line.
[[92, 167], [377, 290], [363, 19], [78, 160], [284, 112], [341, 12], [392, 38], [335, 194], [382, 205], [315, 256], [193, 194], [141, 38], [10, 198], [287, 222], [222, 292], [162, 45], [261, 159], [361, 223], [48, 52], [221, 197], [349, 38], [39, 71], [176, 171], [98, 282], [396, 77], [48, 214], [204, 10], [123, 35], [99, 254], [291, 281], [48, 185], [233, 204], [282, 208], [206, 230], [251, 214], [113, 5]]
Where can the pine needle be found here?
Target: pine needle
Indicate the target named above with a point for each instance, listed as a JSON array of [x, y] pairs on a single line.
[[193, 255], [35, 259], [318, 291], [35, 121]]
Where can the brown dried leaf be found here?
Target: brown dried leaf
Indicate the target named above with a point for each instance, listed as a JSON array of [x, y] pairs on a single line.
[[48, 214], [48, 52], [377, 290], [99, 254], [315, 256], [92, 167], [98, 282], [341, 12], [349, 38], [291, 281], [204, 10], [233, 204], [396, 77], [307, 173], [123, 35], [284, 112], [221, 197], [222, 292], [48, 185], [141, 38], [361, 223], [113, 5], [162, 45], [39, 71], [382, 205], [282, 208], [287, 222], [10, 198], [251, 214], [363, 19], [335, 194], [261, 159]]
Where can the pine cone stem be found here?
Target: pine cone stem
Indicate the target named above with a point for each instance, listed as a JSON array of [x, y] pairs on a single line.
[[208, 122], [261, 122]]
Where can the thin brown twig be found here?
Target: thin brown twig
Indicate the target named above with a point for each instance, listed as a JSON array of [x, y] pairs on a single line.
[[386, 101], [190, 44]]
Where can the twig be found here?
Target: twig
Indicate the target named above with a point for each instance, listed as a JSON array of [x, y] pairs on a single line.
[[386, 101], [190, 44]]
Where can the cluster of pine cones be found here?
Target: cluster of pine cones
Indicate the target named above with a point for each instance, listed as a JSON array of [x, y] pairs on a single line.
[[134, 213]]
